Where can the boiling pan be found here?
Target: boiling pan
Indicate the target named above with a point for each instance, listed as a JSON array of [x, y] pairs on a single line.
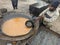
[[10, 15]]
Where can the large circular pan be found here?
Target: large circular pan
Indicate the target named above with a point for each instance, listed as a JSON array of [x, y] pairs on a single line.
[[15, 27], [11, 15]]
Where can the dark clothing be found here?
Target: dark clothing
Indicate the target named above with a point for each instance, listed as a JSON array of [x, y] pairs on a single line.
[[14, 3], [36, 11], [47, 16]]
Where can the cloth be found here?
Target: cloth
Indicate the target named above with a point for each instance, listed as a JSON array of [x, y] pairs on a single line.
[[53, 15]]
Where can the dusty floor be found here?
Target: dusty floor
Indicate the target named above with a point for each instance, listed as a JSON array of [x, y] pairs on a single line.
[[44, 36]]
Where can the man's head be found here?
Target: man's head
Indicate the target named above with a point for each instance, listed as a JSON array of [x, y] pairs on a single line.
[[53, 5]]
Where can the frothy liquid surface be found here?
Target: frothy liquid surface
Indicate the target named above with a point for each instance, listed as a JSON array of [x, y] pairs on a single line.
[[15, 27]]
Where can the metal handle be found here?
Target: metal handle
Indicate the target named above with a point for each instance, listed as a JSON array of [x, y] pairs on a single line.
[[29, 24]]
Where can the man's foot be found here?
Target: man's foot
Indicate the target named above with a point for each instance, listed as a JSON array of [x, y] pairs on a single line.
[[27, 44], [16, 8]]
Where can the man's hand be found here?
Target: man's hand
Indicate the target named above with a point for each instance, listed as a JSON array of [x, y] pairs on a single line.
[[39, 18]]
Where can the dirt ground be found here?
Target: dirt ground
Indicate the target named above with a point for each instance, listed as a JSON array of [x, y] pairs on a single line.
[[7, 4], [44, 37]]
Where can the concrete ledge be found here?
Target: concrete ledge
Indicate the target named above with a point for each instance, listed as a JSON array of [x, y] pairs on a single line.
[[56, 26]]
